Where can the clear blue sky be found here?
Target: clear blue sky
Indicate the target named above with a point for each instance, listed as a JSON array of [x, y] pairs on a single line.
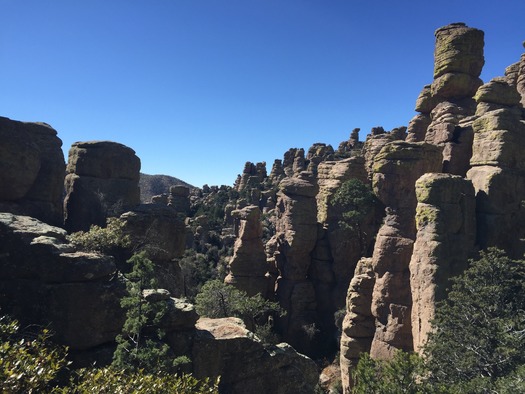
[[199, 87]]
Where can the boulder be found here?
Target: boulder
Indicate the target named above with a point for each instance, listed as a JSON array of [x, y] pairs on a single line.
[[44, 280], [160, 231], [102, 181], [32, 164], [225, 348]]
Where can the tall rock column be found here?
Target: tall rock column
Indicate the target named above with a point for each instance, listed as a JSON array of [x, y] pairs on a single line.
[[358, 327], [338, 249], [248, 265], [296, 235], [447, 102], [396, 169], [497, 173], [102, 180], [446, 232]]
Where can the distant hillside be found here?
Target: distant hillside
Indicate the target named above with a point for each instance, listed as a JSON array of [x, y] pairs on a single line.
[[153, 185]]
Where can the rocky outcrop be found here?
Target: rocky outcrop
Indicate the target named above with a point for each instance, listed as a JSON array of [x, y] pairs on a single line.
[[43, 280], [179, 199], [348, 147], [396, 169], [225, 348], [446, 232], [338, 248], [31, 170], [520, 80], [375, 142], [358, 326], [248, 265], [318, 153], [294, 162], [458, 61], [160, 232], [446, 105], [102, 181], [289, 251], [498, 163]]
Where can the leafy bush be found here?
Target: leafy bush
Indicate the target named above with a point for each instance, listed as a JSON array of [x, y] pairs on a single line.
[[102, 239], [114, 381], [29, 363]]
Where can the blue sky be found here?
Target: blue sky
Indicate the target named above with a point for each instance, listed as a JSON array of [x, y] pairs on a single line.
[[199, 87]]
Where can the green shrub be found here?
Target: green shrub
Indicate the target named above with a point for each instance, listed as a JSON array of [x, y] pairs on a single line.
[[29, 363], [114, 381], [102, 239], [218, 299]]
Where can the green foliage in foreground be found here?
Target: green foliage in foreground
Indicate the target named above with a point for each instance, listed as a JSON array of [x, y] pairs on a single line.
[[32, 364], [218, 299], [478, 343], [28, 363], [113, 381]]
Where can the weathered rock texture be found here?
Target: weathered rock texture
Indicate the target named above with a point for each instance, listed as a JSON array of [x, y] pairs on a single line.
[[446, 105], [248, 265], [338, 248], [498, 163], [446, 232], [44, 280], [225, 348], [359, 323], [160, 231], [396, 169], [102, 181], [31, 170], [290, 248]]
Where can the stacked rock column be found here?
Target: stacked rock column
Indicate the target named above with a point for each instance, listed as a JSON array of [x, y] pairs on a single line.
[[447, 102], [396, 169], [446, 232], [290, 248], [248, 265]]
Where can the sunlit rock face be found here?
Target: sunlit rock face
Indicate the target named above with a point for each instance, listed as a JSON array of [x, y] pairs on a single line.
[[102, 181], [31, 170]]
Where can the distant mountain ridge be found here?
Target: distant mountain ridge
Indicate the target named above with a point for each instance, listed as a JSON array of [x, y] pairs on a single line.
[[153, 185]]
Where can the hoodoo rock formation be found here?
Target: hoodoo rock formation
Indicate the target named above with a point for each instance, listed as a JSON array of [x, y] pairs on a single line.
[[102, 181], [296, 234], [446, 232], [31, 170], [248, 265]]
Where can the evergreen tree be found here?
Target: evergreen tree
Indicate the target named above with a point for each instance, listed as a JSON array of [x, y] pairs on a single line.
[[479, 332], [139, 345]]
